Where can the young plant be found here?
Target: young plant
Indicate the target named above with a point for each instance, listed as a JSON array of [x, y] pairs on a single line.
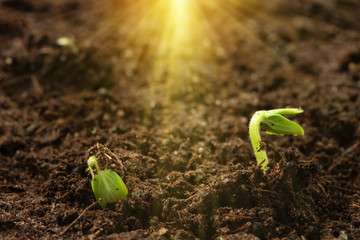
[[106, 184], [68, 42], [275, 124]]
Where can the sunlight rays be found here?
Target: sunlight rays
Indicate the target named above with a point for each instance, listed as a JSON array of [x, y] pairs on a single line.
[[182, 49], [177, 49]]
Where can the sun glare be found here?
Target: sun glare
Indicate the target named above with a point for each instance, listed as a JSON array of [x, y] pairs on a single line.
[[176, 51], [179, 3], [179, 45]]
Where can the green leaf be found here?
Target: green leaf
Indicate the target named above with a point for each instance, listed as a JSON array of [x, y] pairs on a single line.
[[284, 111], [279, 125], [108, 186]]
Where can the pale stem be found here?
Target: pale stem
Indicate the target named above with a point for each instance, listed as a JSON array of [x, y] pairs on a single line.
[[254, 132], [93, 166]]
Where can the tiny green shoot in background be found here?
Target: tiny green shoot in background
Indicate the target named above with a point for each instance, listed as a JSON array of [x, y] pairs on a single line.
[[68, 42], [275, 124], [106, 184]]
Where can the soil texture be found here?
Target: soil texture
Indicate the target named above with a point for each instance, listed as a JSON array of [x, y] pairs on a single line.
[[164, 99]]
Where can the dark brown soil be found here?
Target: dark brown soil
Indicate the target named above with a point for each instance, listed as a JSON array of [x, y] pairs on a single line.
[[176, 115]]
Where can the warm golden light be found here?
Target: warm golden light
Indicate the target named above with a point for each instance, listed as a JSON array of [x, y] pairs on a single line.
[[177, 53], [179, 3], [181, 46]]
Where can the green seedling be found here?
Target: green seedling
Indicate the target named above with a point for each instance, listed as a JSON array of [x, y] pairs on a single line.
[[68, 42], [275, 124], [106, 184]]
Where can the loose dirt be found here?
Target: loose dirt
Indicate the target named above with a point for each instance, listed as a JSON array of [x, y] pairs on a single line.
[[171, 112]]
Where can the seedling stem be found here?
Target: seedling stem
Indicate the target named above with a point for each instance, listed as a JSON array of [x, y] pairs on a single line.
[[106, 184], [276, 124]]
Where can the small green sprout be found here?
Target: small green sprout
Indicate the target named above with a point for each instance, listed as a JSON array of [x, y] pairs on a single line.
[[275, 124], [68, 42], [106, 184]]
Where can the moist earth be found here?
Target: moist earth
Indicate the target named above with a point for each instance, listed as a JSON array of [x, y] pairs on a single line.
[[181, 146]]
